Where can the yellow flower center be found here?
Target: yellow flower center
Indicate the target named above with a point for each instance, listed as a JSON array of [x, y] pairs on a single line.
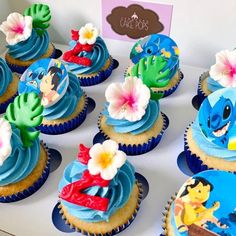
[[105, 159], [88, 34]]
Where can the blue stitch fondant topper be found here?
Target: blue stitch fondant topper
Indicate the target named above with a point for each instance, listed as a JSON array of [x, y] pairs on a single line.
[[217, 118]]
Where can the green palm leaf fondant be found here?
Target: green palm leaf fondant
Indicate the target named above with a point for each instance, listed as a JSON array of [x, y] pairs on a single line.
[[41, 16], [26, 113], [152, 74]]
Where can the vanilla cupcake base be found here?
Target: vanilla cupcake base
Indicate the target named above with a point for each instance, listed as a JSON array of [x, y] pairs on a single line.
[[10, 93], [19, 66], [29, 185], [198, 160], [118, 221], [60, 126], [135, 144]]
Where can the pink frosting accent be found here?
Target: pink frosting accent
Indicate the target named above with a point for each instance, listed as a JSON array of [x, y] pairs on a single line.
[[19, 28], [1, 143], [129, 100]]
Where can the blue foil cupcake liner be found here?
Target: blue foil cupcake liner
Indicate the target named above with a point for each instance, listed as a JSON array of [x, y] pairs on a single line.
[[201, 94], [194, 162], [33, 188], [21, 69], [165, 213], [67, 126], [4, 105], [141, 148], [168, 92], [100, 76], [114, 231]]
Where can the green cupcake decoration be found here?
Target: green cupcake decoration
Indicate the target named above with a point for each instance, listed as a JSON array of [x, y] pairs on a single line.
[[152, 74], [41, 16], [26, 113]]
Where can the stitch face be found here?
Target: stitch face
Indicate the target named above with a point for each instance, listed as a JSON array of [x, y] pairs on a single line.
[[155, 44], [217, 121]]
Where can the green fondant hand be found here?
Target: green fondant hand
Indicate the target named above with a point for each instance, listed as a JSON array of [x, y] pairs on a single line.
[[151, 72], [41, 16], [26, 113]]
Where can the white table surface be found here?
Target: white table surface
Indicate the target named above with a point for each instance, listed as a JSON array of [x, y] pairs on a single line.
[[32, 216]]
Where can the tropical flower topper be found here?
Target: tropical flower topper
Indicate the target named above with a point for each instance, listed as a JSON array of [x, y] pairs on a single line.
[[103, 161], [128, 100], [82, 41], [5, 140], [18, 28], [224, 71]]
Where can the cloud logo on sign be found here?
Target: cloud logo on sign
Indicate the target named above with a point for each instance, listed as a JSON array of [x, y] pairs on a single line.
[[134, 21]]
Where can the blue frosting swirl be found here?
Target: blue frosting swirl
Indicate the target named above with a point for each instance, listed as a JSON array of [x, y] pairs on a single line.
[[68, 103], [137, 127], [21, 162], [213, 85], [32, 48], [210, 148], [98, 56], [5, 76], [118, 191]]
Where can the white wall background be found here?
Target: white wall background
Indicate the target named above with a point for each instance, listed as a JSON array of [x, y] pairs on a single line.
[[200, 28]]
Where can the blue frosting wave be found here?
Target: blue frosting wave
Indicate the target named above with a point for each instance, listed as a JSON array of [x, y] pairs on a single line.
[[210, 148], [98, 56], [21, 162], [32, 48], [137, 127], [5, 76], [213, 85], [118, 191], [68, 103]]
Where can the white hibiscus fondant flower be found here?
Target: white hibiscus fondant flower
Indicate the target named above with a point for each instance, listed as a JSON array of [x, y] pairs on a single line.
[[17, 28], [88, 34], [106, 159], [224, 71], [128, 100], [5, 140]]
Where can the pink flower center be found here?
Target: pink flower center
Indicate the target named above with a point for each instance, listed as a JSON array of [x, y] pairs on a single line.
[[129, 101], [19, 28]]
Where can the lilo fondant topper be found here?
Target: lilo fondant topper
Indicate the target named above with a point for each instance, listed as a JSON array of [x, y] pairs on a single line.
[[82, 42], [217, 116], [48, 78], [103, 161], [207, 204], [23, 115]]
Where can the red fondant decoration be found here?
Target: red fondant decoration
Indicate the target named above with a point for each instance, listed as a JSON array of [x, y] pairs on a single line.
[[83, 155], [75, 35], [72, 55], [73, 192]]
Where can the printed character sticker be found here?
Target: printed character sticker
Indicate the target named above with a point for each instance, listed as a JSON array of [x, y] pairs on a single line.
[[216, 118], [48, 78], [190, 206]]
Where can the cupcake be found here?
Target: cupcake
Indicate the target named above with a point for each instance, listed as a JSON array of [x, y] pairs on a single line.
[[130, 118], [98, 192], [156, 62], [9, 85], [204, 205], [209, 142], [88, 57], [221, 75], [65, 103], [27, 37], [24, 160]]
